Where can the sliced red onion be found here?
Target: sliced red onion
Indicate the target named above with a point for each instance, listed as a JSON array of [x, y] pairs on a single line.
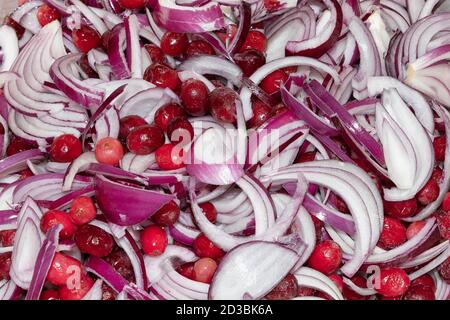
[[18, 161], [310, 278], [95, 20], [106, 272], [9, 45], [10, 291], [357, 289], [116, 55], [305, 226], [431, 265], [131, 25], [426, 256], [245, 19]]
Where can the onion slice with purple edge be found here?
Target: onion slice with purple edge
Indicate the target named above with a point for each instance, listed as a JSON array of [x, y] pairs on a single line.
[[105, 271], [310, 278], [9, 45], [18, 161], [251, 270]]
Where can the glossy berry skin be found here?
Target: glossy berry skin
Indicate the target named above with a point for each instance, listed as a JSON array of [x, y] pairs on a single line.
[[128, 124], [255, 40], [424, 281], [401, 209], [94, 241], [167, 113], [5, 265], [443, 222], [186, 270], [170, 157], [349, 294], [18, 28], [203, 270], [62, 267], [86, 38], [393, 234], [394, 282], [83, 62], [65, 148], [305, 157], [444, 270], [155, 53], [145, 139], [120, 261], [249, 61], [305, 292], [338, 281], [133, 4], [199, 47], [273, 81], [194, 97], [439, 146], [180, 130], [162, 76], [428, 193], [7, 237], [108, 293], [109, 151], [54, 217], [204, 248], [47, 14], [209, 210], [154, 240], [17, 145], [414, 228], [261, 113], [446, 202], [222, 104], [285, 290], [437, 174], [82, 210], [76, 293], [167, 215], [326, 257], [174, 44], [49, 294], [419, 293]]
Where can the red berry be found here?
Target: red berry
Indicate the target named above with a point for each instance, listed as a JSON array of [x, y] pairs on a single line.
[[444, 270], [446, 202], [209, 211], [82, 210], [273, 81], [16, 26], [394, 282], [7, 237], [279, 108], [425, 281], [170, 157], [109, 151], [167, 215], [94, 241], [17, 145], [155, 53], [86, 67], [349, 294], [439, 145], [65, 148], [49, 294], [47, 14], [393, 234], [174, 44], [186, 270], [26, 173], [204, 248], [229, 34], [108, 293], [306, 157], [289, 70], [54, 217], [414, 228], [199, 47], [180, 130], [162, 76], [250, 61], [78, 291], [255, 40], [338, 281], [133, 4], [437, 174], [120, 261], [401, 209], [285, 290], [128, 124], [428, 193], [85, 38], [222, 104], [5, 265], [419, 293], [443, 222], [261, 113], [63, 267], [194, 96], [154, 240], [326, 257], [341, 205], [145, 139], [203, 270], [168, 113], [305, 292]]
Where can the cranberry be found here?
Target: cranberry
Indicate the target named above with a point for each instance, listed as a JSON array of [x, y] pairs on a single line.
[[338, 281], [341, 205], [444, 270], [77, 292], [65, 148], [285, 290], [62, 267], [82, 210], [128, 124], [437, 174], [180, 130], [154, 240], [250, 61], [428, 193], [228, 36], [279, 108], [204, 248], [16, 26], [199, 47], [349, 294], [203, 270], [86, 67], [94, 241], [194, 96], [425, 281], [5, 265], [394, 282], [174, 44], [209, 211], [186, 270], [446, 202], [305, 292], [318, 225], [7, 237], [17, 145], [439, 145], [49, 294], [168, 113], [414, 228], [289, 70], [120, 261], [54, 217], [326, 257], [261, 113], [393, 234], [86, 38], [155, 53], [419, 293], [305, 157], [169, 157], [47, 14], [108, 293], [273, 81], [167, 215], [255, 40], [222, 104], [26, 173], [162, 76], [133, 4], [401, 209], [443, 222], [109, 151]]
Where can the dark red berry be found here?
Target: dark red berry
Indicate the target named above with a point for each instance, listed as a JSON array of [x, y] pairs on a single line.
[[47, 14], [425, 281], [393, 234], [437, 174], [167, 113], [222, 104], [194, 97], [49, 294], [128, 124], [428, 193], [120, 261], [65, 148], [174, 44], [54, 217], [86, 67], [155, 53], [285, 290], [17, 145], [154, 240], [209, 210], [186, 269], [394, 282], [204, 248], [250, 61], [273, 81], [7, 237], [94, 241], [443, 222], [306, 157], [326, 257], [170, 157], [5, 265], [180, 130], [133, 4], [199, 47], [446, 202], [15, 25], [261, 113], [145, 139], [255, 40], [86, 38], [439, 145], [108, 293], [305, 292], [419, 293], [162, 76], [63, 267], [444, 270], [401, 209], [167, 215], [349, 294]]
